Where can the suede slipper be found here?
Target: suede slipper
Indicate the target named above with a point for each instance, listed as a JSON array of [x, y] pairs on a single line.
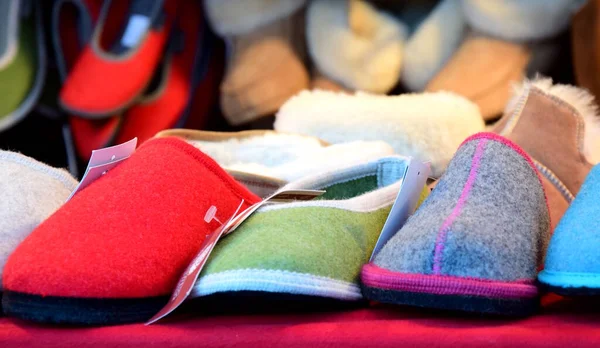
[[501, 62], [114, 252], [22, 59], [559, 127], [363, 46], [265, 160], [265, 61], [165, 102], [72, 25], [105, 81], [572, 262], [428, 126], [31, 191], [314, 248], [475, 243], [585, 38], [432, 43]]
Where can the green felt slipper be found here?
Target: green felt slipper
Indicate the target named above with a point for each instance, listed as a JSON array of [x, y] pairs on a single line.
[[314, 248], [22, 60]]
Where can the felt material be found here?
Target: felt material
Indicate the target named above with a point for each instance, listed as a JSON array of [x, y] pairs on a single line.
[[520, 20], [130, 234], [31, 191], [572, 261], [565, 122], [162, 107], [484, 222], [502, 62], [309, 248], [585, 39], [264, 68], [282, 156], [22, 77], [90, 87], [231, 17], [363, 46], [562, 323], [87, 135], [428, 126], [432, 44]]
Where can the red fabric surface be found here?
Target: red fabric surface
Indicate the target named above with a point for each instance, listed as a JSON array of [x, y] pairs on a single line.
[[131, 233], [562, 324], [149, 117], [97, 85]]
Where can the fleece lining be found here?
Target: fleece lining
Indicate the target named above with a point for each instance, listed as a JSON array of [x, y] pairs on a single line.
[[363, 45], [427, 126]]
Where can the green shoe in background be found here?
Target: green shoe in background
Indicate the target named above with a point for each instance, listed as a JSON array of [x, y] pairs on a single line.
[[22, 59]]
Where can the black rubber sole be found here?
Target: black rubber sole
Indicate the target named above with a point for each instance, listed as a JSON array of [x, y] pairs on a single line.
[[80, 311], [473, 304], [571, 292]]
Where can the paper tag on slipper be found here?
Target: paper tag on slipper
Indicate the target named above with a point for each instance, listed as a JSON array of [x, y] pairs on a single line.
[[190, 275], [406, 201], [104, 160]]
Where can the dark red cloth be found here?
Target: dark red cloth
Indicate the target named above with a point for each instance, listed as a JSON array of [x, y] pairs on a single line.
[[562, 324]]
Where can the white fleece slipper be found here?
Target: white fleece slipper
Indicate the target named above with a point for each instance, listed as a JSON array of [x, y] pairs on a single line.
[[264, 160], [520, 20], [428, 126], [31, 191], [432, 44], [355, 44]]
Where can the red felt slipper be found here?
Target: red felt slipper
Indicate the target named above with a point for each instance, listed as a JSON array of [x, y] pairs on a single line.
[[72, 24], [107, 80], [165, 103], [114, 252]]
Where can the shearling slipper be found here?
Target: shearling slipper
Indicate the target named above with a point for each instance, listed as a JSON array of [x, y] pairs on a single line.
[[265, 160], [559, 127], [314, 248], [572, 263], [475, 243], [31, 191], [432, 44], [22, 59], [114, 252], [585, 38], [483, 70], [265, 64], [428, 126], [355, 44]]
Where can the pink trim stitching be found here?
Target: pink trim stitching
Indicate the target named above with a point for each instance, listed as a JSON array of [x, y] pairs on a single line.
[[376, 277], [443, 233], [520, 151]]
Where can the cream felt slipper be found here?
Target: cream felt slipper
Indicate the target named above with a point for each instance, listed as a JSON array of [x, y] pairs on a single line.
[[501, 62], [520, 20], [432, 44], [428, 126], [355, 44], [31, 191], [266, 160], [265, 64]]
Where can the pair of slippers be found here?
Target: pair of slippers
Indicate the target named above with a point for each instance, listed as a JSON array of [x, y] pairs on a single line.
[[429, 45], [131, 70], [477, 242], [22, 59], [114, 252]]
